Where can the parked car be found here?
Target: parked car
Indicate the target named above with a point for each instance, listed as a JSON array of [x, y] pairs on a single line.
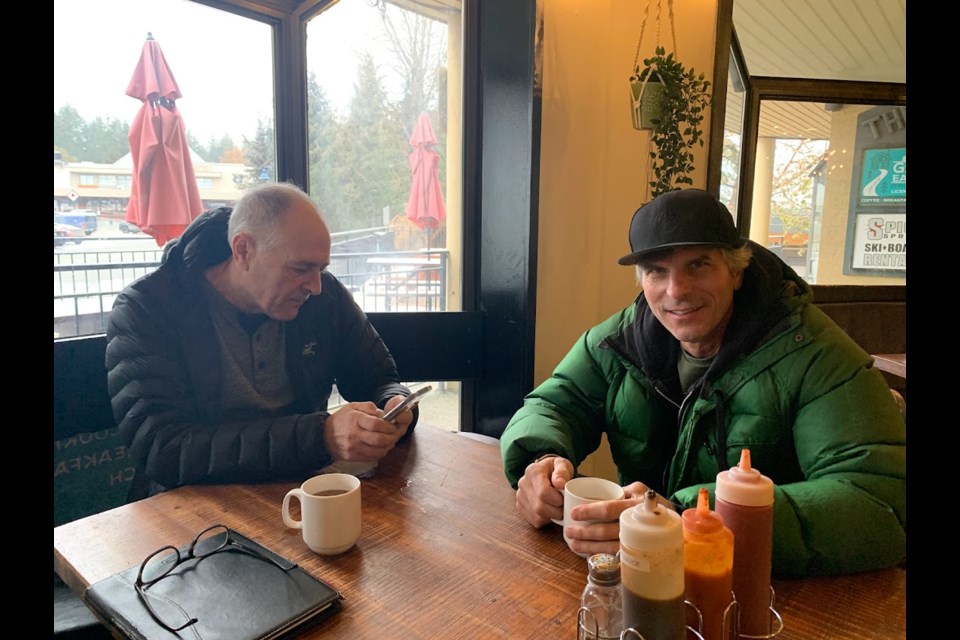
[[64, 233], [128, 227], [83, 218]]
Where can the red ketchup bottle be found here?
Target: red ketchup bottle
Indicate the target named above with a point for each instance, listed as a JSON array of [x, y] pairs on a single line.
[[707, 565], [744, 499]]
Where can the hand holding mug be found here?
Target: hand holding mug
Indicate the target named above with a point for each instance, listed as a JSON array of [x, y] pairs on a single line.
[[540, 490], [591, 511]]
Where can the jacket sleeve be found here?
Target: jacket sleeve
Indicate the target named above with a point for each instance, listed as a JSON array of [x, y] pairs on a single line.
[[366, 371], [171, 442], [848, 513], [564, 414]]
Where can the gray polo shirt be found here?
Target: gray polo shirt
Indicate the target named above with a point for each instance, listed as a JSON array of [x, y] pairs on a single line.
[[252, 357]]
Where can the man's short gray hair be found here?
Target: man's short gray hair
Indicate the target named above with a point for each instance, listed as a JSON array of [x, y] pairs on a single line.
[[259, 211], [737, 260]]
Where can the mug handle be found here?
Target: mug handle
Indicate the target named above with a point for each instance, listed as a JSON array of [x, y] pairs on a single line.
[[285, 509]]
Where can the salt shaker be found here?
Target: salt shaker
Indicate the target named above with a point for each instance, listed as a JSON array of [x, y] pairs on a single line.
[[601, 605]]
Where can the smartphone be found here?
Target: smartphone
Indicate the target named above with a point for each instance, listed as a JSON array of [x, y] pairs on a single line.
[[408, 402]]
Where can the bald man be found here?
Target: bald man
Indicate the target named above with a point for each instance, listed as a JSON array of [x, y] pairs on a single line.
[[220, 364]]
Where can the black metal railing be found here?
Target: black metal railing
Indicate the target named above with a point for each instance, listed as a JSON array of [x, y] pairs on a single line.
[[85, 283]]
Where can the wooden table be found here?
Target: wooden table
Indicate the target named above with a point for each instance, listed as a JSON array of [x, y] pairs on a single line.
[[443, 554], [895, 363]]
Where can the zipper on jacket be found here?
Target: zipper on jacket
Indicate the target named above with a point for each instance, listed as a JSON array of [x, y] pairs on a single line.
[[658, 387], [662, 392], [721, 434]]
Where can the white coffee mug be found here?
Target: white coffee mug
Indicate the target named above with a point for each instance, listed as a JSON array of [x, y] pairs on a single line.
[[582, 490], [329, 512]]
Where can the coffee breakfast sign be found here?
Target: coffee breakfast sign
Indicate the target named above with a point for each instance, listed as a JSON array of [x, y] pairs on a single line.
[[877, 221], [884, 177]]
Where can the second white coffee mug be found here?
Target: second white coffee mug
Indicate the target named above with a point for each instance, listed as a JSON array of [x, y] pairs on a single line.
[[582, 490], [329, 512]]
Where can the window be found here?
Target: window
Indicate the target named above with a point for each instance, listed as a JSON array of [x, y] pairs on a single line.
[[390, 265], [823, 171], [385, 154], [830, 190], [732, 138], [385, 149], [93, 115]]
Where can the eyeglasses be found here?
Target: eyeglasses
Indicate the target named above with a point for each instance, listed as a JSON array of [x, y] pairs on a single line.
[[164, 560]]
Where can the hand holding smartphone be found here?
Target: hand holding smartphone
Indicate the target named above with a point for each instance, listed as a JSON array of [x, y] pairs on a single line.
[[409, 402]]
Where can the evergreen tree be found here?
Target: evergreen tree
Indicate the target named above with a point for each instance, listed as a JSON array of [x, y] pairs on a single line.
[[68, 132], [323, 129], [371, 151], [217, 149], [107, 140], [104, 140], [260, 154], [196, 146]]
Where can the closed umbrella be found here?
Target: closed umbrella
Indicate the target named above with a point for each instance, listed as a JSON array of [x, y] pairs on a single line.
[[164, 197], [425, 207]]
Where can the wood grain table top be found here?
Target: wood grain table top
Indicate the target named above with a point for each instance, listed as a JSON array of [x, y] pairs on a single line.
[[443, 553]]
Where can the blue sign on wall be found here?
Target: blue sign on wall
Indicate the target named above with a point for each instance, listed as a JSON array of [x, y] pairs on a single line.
[[884, 177]]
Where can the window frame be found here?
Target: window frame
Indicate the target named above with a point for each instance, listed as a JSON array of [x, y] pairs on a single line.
[[498, 91]]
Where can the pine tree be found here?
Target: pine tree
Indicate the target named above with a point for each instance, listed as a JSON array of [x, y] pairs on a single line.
[[371, 150]]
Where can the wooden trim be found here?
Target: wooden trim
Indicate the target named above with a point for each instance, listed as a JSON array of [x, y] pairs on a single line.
[[829, 90], [718, 110], [830, 294], [802, 90]]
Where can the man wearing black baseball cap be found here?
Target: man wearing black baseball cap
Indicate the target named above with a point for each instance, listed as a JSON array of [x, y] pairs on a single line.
[[722, 351]]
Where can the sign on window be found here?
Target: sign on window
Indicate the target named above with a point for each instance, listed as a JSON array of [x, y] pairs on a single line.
[[883, 180], [881, 241]]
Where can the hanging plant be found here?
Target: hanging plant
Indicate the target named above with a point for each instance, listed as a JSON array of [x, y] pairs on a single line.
[[648, 100], [676, 118], [669, 100]]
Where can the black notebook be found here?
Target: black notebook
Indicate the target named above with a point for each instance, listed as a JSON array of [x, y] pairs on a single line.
[[232, 593]]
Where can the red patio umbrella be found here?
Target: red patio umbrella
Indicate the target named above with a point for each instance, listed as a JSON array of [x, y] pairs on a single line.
[[164, 197], [425, 207]]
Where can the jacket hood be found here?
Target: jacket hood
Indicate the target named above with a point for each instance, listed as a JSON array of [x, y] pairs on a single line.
[[771, 290], [202, 244]]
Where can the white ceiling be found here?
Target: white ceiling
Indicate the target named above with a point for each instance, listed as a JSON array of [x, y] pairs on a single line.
[[860, 40]]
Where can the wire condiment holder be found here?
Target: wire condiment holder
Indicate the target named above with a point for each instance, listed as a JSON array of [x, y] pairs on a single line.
[[731, 624]]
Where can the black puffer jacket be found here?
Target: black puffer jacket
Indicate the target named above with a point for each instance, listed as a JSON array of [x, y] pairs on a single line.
[[163, 373]]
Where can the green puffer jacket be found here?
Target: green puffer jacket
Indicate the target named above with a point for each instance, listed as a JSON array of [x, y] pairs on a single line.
[[788, 384]]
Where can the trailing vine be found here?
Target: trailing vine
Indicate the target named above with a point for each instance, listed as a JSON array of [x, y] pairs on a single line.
[[679, 128]]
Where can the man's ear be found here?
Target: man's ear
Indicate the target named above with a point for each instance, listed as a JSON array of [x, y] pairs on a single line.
[[243, 249]]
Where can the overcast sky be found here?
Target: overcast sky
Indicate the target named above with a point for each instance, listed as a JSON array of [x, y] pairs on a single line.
[[222, 62]]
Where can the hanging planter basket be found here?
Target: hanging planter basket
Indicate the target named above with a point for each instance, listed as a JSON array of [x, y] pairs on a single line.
[[669, 100], [647, 102], [647, 93]]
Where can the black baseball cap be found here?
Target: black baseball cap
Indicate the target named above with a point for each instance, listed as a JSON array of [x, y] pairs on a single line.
[[680, 218]]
